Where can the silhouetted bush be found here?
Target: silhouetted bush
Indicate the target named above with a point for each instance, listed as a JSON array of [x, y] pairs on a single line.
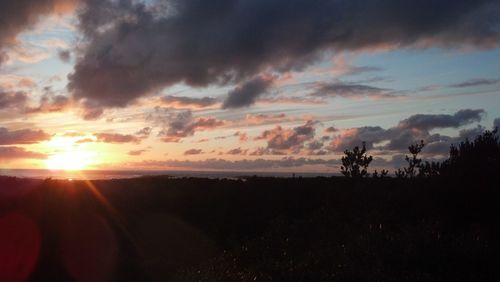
[[383, 173], [355, 162]]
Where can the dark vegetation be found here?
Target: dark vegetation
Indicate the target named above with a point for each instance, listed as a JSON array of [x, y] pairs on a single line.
[[355, 163], [441, 225], [470, 159]]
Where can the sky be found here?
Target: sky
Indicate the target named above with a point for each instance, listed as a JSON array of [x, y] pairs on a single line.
[[242, 85]]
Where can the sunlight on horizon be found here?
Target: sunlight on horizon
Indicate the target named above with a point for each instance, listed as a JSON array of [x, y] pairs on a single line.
[[77, 160], [69, 155]]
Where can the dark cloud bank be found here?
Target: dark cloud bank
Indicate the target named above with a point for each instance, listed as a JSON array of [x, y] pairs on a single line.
[[132, 49], [17, 16], [247, 93]]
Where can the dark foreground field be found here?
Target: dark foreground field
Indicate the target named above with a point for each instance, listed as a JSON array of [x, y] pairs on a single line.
[[261, 229]]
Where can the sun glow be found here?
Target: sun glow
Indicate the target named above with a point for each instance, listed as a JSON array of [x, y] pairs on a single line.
[[69, 155], [76, 160]]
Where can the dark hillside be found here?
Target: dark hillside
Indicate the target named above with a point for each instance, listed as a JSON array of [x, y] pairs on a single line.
[[302, 229]]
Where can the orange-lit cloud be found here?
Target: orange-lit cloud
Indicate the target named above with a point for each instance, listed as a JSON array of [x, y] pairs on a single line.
[[117, 138], [19, 153], [193, 152], [290, 140], [22, 136]]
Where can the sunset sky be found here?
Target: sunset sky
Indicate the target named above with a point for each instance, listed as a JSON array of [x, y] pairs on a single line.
[[253, 85]]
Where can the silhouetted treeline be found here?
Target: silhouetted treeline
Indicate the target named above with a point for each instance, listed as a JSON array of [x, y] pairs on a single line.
[[477, 158]]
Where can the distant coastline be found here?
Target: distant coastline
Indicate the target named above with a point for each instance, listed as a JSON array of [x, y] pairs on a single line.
[[120, 174]]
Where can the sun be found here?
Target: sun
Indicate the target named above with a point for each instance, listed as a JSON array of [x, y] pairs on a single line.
[[68, 155], [76, 160]]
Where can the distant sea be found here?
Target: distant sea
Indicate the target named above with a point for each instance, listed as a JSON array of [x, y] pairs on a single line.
[[118, 174]]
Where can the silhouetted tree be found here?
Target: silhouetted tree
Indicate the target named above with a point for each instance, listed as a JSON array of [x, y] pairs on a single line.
[[479, 158], [413, 161], [355, 162]]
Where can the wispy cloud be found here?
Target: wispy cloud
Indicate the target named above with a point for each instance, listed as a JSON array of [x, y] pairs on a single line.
[[476, 82]]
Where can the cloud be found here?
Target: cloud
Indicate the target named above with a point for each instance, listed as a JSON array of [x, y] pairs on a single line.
[[291, 100], [131, 49], [137, 152], [64, 55], [476, 82], [242, 136], [19, 101], [91, 112], [9, 100], [470, 133], [222, 137], [330, 129], [352, 137], [342, 67], [409, 131], [55, 43], [281, 139], [237, 151], [50, 102], [26, 83], [401, 138], [25, 52], [144, 132], [347, 90], [188, 102], [442, 146], [85, 140], [73, 134], [22, 136], [247, 93], [428, 122], [203, 140], [117, 138], [19, 153], [193, 152], [257, 119], [178, 125], [439, 147], [315, 145], [244, 164], [18, 16]]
